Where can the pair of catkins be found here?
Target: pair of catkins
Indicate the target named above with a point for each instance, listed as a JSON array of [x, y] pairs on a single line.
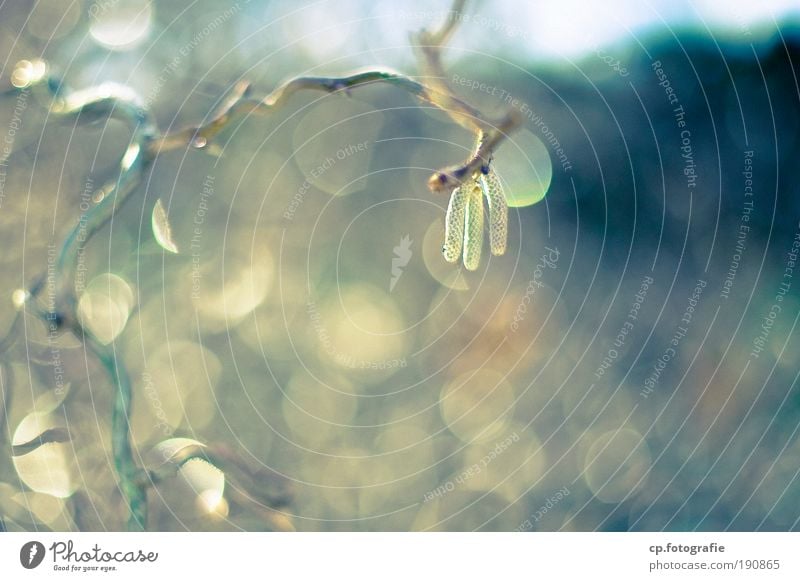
[[465, 216]]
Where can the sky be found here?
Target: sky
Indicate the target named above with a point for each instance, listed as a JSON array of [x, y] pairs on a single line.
[[540, 30]]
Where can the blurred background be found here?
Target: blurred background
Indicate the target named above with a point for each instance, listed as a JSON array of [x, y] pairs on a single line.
[[629, 364]]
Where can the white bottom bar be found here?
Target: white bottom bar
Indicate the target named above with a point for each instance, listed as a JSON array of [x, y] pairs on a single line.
[[355, 556]]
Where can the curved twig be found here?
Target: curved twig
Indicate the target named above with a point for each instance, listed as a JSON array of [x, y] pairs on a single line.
[[240, 105]]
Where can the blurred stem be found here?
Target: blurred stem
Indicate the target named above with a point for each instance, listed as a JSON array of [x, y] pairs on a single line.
[[99, 103], [133, 489], [106, 101], [260, 491], [6, 387]]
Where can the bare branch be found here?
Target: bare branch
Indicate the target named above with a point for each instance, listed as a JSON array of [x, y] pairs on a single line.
[[489, 133], [442, 36], [239, 105]]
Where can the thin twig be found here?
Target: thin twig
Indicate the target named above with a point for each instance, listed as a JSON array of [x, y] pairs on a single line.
[[240, 104], [489, 133]]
